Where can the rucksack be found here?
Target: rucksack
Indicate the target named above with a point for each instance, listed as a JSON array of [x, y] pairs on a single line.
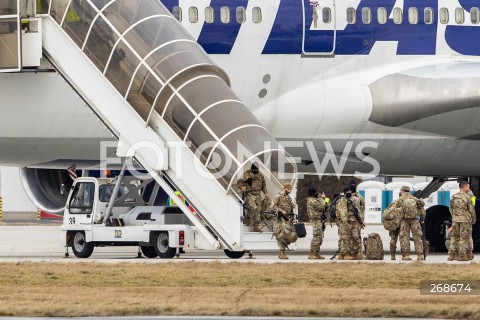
[[409, 206], [373, 247], [392, 217], [333, 208]]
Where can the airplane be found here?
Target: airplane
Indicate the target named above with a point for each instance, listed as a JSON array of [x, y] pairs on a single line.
[[387, 85]]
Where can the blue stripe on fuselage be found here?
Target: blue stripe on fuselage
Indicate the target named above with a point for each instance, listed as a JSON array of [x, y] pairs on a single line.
[[218, 37], [464, 39], [358, 38]]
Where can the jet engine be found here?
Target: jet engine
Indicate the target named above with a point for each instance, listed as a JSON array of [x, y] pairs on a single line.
[[46, 188]]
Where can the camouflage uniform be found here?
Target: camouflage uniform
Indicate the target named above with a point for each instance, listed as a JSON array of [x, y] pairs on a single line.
[[359, 203], [253, 200], [410, 224], [463, 214], [350, 242], [282, 226], [394, 235], [315, 209]]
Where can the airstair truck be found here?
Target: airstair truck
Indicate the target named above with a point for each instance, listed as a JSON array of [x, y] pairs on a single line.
[[113, 212]]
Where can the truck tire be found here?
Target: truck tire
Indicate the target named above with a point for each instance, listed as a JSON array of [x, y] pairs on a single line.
[[80, 247], [149, 252], [161, 246], [234, 254]]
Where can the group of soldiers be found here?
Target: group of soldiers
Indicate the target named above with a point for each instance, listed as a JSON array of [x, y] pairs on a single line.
[[347, 211]]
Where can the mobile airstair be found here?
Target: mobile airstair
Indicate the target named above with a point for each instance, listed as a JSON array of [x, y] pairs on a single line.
[[168, 103]]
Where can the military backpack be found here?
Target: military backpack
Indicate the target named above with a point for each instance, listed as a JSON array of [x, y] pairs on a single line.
[[373, 247], [409, 206], [392, 218]]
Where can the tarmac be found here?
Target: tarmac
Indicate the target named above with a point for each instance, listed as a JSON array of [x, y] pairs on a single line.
[[27, 240]]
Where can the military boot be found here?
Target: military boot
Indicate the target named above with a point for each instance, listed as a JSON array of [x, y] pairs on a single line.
[[392, 256], [420, 257], [463, 257], [406, 256], [451, 256], [469, 254], [282, 255], [347, 257], [317, 254], [312, 255], [341, 256], [358, 256], [256, 228]]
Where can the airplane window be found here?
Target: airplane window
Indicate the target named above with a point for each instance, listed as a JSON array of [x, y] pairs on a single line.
[[177, 13], [459, 15], [257, 14], [412, 15], [327, 15], [444, 15], [366, 15], [193, 14], [209, 15], [397, 15], [475, 15], [225, 14], [428, 15], [241, 15], [382, 15], [351, 15]]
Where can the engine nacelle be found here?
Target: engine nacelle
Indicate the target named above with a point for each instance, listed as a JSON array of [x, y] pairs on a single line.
[[44, 188]]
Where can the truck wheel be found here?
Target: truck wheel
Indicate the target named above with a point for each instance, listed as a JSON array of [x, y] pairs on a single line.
[[149, 252], [161, 246], [80, 247], [234, 254]]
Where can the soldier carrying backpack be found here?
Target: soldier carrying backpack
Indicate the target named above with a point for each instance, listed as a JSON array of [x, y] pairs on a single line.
[[392, 219], [410, 222]]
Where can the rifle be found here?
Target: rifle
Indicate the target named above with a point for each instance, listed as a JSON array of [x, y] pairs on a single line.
[[356, 213], [335, 255], [287, 216]]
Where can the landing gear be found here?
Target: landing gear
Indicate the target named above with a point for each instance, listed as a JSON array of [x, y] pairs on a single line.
[[436, 216]]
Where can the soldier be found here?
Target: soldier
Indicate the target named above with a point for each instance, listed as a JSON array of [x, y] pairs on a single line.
[[360, 205], [283, 230], [409, 204], [350, 242], [251, 184], [463, 216], [316, 213], [394, 234]]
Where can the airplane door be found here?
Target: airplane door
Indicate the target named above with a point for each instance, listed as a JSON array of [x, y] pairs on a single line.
[[319, 27], [10, 53]]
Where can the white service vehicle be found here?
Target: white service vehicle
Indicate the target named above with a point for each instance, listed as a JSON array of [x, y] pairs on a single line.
[[114, 212], [93, 217]]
